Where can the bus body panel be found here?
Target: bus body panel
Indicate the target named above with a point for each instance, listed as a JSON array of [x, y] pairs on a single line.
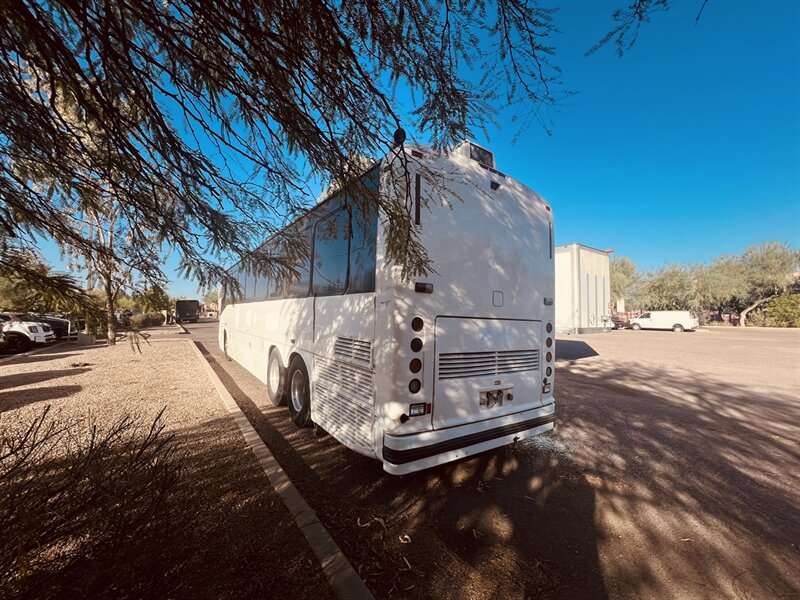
[[486, 368], [490, 241]]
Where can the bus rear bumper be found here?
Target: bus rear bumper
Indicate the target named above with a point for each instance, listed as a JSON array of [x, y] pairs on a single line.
[[408, 453]]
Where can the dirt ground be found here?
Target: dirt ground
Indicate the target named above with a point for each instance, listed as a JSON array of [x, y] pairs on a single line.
[[237, 540], [672, 473]]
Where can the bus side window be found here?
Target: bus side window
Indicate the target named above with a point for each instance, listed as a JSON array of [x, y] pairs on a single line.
[[300, 284], [331, 237], [363, 246], [241, 293], [260, 292]]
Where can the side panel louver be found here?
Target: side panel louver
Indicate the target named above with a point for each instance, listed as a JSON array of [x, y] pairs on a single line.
[[357, 351], [458, 365], [346, 402]]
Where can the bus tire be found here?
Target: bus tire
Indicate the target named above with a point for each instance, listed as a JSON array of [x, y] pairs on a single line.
[[276, 379], [299, 393], [677, 328], [636, 327]]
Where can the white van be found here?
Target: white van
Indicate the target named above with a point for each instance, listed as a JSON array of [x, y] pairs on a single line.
[[677, 320]]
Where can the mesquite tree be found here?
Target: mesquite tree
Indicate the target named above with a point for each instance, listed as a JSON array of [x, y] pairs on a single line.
[[205, 119]]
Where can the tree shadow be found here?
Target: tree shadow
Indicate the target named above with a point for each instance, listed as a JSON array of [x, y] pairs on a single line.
[[19, 398], [193, 520], [490, 526], [651, 486]]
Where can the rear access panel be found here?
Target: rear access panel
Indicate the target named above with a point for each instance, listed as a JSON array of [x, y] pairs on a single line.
[[485, 368]]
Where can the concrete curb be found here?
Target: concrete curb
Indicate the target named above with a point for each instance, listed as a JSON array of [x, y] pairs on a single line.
[[346, 583], [30, 352], [184, 330]]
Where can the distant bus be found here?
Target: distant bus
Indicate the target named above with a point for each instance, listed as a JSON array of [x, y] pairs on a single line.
[[187, 310], [419, 373]]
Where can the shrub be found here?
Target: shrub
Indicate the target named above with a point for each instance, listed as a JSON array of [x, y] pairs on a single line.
[[784, 311], [88, 511], [156, 318], [139, 321]]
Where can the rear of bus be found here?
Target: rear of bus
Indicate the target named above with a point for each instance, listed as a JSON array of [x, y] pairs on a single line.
[[466, 354]]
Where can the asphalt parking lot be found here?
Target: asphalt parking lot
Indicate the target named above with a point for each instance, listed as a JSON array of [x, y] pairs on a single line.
[[672, 473]]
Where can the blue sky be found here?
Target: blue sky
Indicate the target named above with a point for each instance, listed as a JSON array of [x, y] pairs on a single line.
[[684, 149]]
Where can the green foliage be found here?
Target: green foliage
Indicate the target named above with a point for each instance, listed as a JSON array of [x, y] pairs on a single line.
[[276, 93], [27, 284], [669, 288], [625, 280], [146, 320], [212, 297], [154, 299], [784, 311]]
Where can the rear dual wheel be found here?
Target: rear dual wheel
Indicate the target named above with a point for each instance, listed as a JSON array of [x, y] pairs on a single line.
[[299, 393], [276, 379]]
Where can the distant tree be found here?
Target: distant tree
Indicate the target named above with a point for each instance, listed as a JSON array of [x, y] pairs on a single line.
[[770, 269], [30, 286], [211, 297], [669, 288], [718, 286], [154, 299], [625, 281]]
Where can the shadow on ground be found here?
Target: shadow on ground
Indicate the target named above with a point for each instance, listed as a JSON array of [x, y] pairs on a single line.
[[649, 487]]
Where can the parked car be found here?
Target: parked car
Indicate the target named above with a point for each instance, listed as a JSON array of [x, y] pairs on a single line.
[[677, 320], [60, 326], [22, 331]]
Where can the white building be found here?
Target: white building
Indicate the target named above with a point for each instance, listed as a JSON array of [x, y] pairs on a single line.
[[583, 289]]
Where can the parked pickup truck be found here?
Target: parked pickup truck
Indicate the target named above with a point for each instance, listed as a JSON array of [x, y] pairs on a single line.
[[22, 331]]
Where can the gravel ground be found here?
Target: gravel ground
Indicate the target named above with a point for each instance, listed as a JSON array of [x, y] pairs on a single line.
[[245, 543], [673, 472]]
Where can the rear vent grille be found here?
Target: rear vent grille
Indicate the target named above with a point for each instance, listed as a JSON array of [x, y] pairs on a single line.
[[460, 365], [358, 351], [345, 402]]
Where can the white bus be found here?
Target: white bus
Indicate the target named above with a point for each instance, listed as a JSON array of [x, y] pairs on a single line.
[[416, 373]]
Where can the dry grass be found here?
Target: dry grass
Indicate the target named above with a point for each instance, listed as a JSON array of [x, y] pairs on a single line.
[[135, 483]]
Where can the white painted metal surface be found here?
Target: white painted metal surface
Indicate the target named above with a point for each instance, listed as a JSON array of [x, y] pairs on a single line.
[[374, 375], [583, 289]]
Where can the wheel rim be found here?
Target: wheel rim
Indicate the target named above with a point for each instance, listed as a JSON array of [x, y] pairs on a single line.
[[298, 391], [274, 376]]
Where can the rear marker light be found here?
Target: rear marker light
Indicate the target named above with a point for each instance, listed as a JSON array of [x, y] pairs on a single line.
[[416, 344], [415, 366], [416, 324], [549, 327], [417, 410], [549, 371], [414, 386], [423, 288], [549, 342], [548, 357]]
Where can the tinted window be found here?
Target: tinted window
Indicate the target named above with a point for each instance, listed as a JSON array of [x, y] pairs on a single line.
[[300, 250], [364, 231], [331, 238], [260, 292], [645, 316], [241, 293]]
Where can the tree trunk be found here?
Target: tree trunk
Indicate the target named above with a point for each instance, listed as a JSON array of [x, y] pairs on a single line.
[[111, 333], [743, 316]]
